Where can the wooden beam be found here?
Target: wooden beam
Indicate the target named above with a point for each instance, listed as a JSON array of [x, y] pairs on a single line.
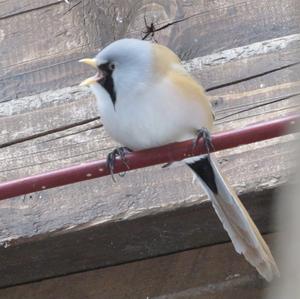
[[206, 273], [148, 213]]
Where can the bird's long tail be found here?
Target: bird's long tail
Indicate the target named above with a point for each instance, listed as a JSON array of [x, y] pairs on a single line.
[[241, 229]]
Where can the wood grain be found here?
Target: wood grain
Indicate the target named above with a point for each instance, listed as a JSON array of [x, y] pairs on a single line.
[[248, 57], [206, 273], [148, 213], [43, 54], [14, 7], [60, 128]]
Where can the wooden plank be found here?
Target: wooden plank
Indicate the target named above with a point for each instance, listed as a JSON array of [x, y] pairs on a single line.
[[35, 46], [145, 214], [232, 24], [62, 128], [212, 71], [103, 198], [38, 123], [31, 63], [250, 69], [77, 136], [85, 142], [206, 273], [248, 72], [89, 225]]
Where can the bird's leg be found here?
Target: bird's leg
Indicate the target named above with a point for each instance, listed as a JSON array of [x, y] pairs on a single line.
[[205, 134], [111, 159]]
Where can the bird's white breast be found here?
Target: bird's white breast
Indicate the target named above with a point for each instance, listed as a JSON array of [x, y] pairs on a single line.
[[150, 116]]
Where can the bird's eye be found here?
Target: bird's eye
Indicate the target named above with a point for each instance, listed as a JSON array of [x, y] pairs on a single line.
[[111, 66]]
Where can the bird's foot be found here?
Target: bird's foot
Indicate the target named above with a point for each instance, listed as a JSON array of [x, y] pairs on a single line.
[[205, 135], [119, 152]]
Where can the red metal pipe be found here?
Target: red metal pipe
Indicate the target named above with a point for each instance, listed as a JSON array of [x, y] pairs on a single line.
[[164, 154]]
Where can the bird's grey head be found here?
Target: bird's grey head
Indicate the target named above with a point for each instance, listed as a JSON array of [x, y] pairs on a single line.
[[123, 66]]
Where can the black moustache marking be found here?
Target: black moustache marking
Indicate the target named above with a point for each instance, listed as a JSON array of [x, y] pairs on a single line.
[[107, 81]]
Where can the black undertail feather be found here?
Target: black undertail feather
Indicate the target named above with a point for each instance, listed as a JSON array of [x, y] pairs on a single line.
[[203, 169], [107, 81]]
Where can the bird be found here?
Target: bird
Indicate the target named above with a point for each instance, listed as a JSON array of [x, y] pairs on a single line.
[[146, 98]]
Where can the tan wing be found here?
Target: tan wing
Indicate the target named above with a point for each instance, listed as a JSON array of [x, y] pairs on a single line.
[[164, 59], [167, 63]]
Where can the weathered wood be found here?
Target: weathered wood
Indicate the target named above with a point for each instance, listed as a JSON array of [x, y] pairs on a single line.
[[70, 141], [213, 70], [207, 273], [12, 8], [60, 128], [88, 214], [142, 190], [145, 214], [151, 211], [43, 55], [249, 72], [49, 40]]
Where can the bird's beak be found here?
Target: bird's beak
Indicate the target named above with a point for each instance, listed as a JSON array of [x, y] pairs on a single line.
[[90, 61], [92, 80], [89, 81]]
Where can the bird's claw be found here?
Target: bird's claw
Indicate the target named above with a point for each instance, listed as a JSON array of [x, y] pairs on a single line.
[[119, 152], [205, 134]]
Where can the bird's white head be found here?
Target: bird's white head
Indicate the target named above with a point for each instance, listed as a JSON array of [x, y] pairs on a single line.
[[123, 66]]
